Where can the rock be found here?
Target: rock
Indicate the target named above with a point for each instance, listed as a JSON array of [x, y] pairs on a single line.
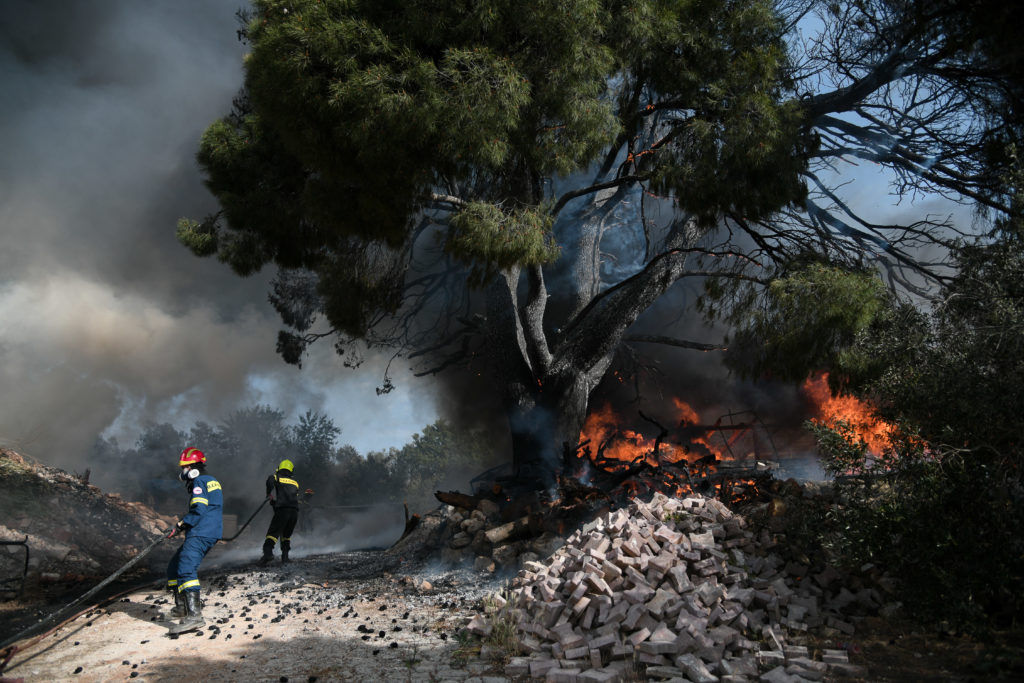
[[483, 564], [489, 508]]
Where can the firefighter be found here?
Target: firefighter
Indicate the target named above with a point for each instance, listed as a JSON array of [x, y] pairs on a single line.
[[283, 492], [202, 527]]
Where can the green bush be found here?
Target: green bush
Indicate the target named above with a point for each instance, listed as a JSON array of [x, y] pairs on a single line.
[[944, 524]]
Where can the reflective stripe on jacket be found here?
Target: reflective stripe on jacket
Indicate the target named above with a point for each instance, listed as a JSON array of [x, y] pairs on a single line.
[[285, 488], [205, 507]]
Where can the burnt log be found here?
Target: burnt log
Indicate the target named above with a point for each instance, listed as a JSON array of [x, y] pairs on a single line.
[[410, 522], [456, 499], [524, 527]]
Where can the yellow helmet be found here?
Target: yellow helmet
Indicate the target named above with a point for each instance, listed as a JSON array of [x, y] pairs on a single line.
[[286, 465]]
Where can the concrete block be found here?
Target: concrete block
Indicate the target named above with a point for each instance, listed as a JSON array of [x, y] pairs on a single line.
[[479, 625], [638, 637], [577, 652], [709, 594], [599, 584], [680, 578], [633, 616], [779, 675], [702, 540], [549, 613], [663, 634], [740, 666], [622, 651], [611, 571], [656, 605], [617, 613], [660, 648], [695, 669], [517, 666], [662, 672], [649, 659], [540, 667], [806, 668], [665, 535], [581, 605], [771, 658]]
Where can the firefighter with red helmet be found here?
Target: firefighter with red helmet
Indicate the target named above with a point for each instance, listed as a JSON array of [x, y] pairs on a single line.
[[202, 527]]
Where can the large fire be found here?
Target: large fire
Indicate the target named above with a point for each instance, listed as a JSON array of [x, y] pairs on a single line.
[[681, 460], [689, 453], [607, 441], [855, 412]]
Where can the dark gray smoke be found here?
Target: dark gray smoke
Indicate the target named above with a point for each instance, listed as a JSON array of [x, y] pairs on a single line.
[[106, 322]]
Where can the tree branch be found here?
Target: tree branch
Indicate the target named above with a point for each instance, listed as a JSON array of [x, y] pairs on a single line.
[[671, 341], [569, 196]]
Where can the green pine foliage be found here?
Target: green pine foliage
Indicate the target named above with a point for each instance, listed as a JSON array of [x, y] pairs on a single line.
[[804, 321], [354, 113], [491, 239]]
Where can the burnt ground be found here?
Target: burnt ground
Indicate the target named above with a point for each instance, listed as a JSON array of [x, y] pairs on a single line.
[[370, 616], [335, 614], [350, 616]]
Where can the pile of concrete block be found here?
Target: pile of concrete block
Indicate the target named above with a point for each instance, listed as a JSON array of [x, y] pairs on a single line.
[[677, 587], [481, 539]]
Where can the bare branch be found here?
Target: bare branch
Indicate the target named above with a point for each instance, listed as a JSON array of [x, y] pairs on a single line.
[[671, 341]]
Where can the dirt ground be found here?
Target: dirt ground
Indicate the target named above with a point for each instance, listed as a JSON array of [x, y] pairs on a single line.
[[309, 620], [351, 617]]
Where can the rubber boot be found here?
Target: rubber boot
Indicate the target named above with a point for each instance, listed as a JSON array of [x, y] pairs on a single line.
[[193, 617], [178, 611], [285, 547], [268, 552]]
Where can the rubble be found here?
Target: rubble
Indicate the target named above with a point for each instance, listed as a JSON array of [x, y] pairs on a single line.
[[681, 587], [74, 530]]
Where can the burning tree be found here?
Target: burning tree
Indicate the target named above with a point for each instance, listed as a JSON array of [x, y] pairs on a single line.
[[510, 185]]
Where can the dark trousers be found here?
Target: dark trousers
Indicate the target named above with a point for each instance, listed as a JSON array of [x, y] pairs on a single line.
[[281, 528], [182, 570]]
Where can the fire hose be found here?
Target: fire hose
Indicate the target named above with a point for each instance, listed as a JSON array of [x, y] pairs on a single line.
[[128, 565], [251, 517], [5, 655]]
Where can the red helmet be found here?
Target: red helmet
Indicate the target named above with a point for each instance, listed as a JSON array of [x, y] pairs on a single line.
[[191, 456]]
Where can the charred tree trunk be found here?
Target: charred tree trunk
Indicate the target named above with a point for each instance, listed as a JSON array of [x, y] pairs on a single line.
[[546, 377]]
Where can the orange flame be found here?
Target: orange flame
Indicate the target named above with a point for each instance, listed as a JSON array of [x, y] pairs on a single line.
[[857, 413], [602, 432]]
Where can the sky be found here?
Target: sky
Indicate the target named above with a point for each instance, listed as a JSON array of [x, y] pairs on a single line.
[[107, 324]]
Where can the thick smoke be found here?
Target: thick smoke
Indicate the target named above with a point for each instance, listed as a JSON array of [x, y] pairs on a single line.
[[106, 322]]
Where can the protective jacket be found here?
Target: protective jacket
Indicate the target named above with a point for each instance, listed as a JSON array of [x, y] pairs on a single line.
[[284, 488], [205, 507]]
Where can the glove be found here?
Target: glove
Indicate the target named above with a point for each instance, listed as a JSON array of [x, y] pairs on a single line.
[[177, 529]]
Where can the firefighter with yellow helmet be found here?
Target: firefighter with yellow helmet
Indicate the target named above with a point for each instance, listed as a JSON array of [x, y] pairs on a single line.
[[202, 527], [283, 492]]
